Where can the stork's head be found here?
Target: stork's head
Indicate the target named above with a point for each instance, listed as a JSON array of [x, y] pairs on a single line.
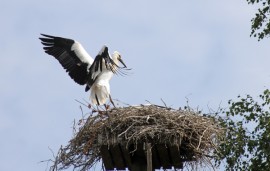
[[117, 58]]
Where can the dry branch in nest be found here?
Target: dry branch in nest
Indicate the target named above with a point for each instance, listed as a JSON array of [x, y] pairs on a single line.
[[196, 136]]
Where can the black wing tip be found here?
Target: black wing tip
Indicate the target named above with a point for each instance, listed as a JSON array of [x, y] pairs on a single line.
[[47, 40], [106, 48], [46, 35], [87, 88]]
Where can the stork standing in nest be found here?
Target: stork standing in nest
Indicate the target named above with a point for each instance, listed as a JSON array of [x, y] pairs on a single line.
[[81, 67]]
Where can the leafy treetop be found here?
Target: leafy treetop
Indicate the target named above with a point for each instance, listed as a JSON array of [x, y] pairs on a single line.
[[261, 23]]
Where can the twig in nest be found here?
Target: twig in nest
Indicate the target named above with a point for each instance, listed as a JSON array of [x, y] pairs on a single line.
[[81, 103], [163, 103]]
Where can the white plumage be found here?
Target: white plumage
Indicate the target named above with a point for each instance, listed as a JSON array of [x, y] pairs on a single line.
[[100, 89], [81, 53], [81, 67]]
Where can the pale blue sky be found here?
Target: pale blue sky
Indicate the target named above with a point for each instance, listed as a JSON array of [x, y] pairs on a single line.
[[177, 49]]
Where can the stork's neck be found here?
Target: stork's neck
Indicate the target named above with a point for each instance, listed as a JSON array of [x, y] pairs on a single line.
[[115, 58]]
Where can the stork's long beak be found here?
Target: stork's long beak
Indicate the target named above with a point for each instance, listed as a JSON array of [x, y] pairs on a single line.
[[122, 62]]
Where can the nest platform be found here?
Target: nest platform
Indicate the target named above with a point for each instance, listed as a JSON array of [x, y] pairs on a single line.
[[141, 137]]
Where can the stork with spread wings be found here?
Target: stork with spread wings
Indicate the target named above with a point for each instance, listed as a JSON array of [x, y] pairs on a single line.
[[81, 67]]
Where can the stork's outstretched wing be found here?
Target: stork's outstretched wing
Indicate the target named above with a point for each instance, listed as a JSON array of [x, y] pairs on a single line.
[[70, 54]]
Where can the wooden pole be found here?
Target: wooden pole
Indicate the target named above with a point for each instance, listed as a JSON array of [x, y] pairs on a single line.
[[149, 157], [143, 162]]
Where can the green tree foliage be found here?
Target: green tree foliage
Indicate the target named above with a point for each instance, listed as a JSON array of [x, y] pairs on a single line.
[[247, 143], [261, 22]]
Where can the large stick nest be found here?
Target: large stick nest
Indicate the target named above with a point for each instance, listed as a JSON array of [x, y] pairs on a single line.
[[198, 135]]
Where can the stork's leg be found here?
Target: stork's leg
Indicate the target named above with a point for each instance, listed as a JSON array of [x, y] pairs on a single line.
[[112, 101], [106, 106]]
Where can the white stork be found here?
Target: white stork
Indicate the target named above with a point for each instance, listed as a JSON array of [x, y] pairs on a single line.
[[95, 74]]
